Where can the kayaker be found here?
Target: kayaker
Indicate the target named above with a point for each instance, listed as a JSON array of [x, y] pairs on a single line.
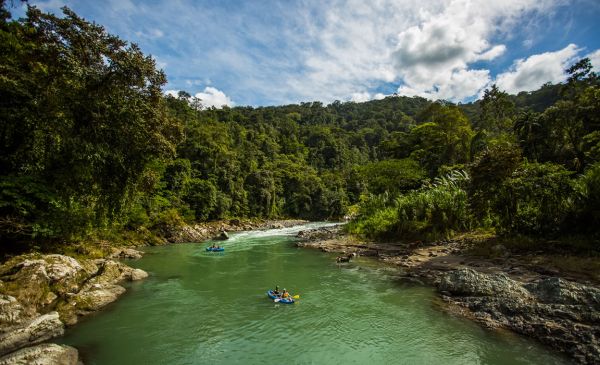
[[285, 294], [276, 291]]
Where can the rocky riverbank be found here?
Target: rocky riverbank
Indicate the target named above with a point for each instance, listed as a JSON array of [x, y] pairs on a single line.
[[207, 230], [41, 294], [503, 290]]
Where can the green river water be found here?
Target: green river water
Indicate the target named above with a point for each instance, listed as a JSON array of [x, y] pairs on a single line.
[[211, 308]]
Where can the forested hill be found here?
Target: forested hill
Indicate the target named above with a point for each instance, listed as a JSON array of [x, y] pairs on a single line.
[[90, 147]]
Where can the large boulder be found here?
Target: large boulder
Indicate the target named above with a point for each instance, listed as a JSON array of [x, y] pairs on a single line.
[[11, 311], [468, 282], [38, 330], [560, 291], [45, 354], [221, 236], [99, 290], [70, 288], [37, 283], [562, 314]]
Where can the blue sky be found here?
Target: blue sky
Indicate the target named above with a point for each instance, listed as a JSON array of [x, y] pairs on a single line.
[[279, 52]]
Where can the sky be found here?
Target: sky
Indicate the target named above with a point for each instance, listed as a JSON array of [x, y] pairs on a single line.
[[280, 52]]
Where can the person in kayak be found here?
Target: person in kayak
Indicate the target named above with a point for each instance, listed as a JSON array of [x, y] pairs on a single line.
[[276, 291], [285, 294]]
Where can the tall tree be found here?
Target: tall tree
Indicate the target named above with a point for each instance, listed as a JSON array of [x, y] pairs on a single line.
[[82, 115]]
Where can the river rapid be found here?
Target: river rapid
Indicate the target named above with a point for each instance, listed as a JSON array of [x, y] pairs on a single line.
[[211, 308]]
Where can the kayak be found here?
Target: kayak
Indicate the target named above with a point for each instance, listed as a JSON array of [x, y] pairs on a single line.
[[215, 249], [281, 300]]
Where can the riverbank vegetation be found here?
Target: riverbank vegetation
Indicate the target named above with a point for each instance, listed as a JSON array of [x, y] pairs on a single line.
[[91, 149]]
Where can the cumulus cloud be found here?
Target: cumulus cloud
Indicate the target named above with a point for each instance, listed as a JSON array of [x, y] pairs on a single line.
[[213, 97], [427, 48], [433, 58], [283, 52], [595, 59], [361, 97], [531, 73], [210, 97]]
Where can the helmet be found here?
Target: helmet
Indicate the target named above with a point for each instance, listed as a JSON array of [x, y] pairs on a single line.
[[284, 289]]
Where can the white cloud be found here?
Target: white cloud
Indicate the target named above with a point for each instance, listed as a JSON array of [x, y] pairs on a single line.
[[531, 73], [493, 53], [361, 97], [427, 48], [595, 59], [210, 97], [173, 93], [150, 34], [433, 58], [213, 97], [282, 52]]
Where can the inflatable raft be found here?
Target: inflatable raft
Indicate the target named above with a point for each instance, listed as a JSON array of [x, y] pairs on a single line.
[[215, 249], [289, 300]]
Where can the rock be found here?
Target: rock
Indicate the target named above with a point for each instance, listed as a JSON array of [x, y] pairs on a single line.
[[40, 329], [468, 282], [559, 313], [126, 253], [11, 311], [222, 236], [560, 291], [319, 234], [88, 301], [45, 354], [37, 283], [138, 274], [98, 291]]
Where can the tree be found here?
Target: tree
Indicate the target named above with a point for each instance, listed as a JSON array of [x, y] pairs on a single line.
[[443, 138], [82, 115], [497, 111], [393, 176]]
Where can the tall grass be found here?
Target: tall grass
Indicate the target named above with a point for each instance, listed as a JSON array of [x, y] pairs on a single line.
[[437, 210]]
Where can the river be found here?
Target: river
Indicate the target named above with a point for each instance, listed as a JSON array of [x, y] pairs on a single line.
[[211, 308]]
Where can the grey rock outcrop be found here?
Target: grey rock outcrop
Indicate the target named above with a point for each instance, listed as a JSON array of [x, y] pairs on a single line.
[[45, 354], [61, 287], [559, 313], [126, 253], [11, 311], [472, 283], [38, 330]]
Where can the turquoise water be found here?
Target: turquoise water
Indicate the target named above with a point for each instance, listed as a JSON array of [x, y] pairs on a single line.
[[211, 308]]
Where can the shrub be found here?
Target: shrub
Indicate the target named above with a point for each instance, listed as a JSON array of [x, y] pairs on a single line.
[[436, 210], [536, 199]]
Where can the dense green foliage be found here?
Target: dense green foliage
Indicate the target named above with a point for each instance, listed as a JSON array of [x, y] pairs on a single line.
[[89, 145], [530, 171], [82, 118]]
